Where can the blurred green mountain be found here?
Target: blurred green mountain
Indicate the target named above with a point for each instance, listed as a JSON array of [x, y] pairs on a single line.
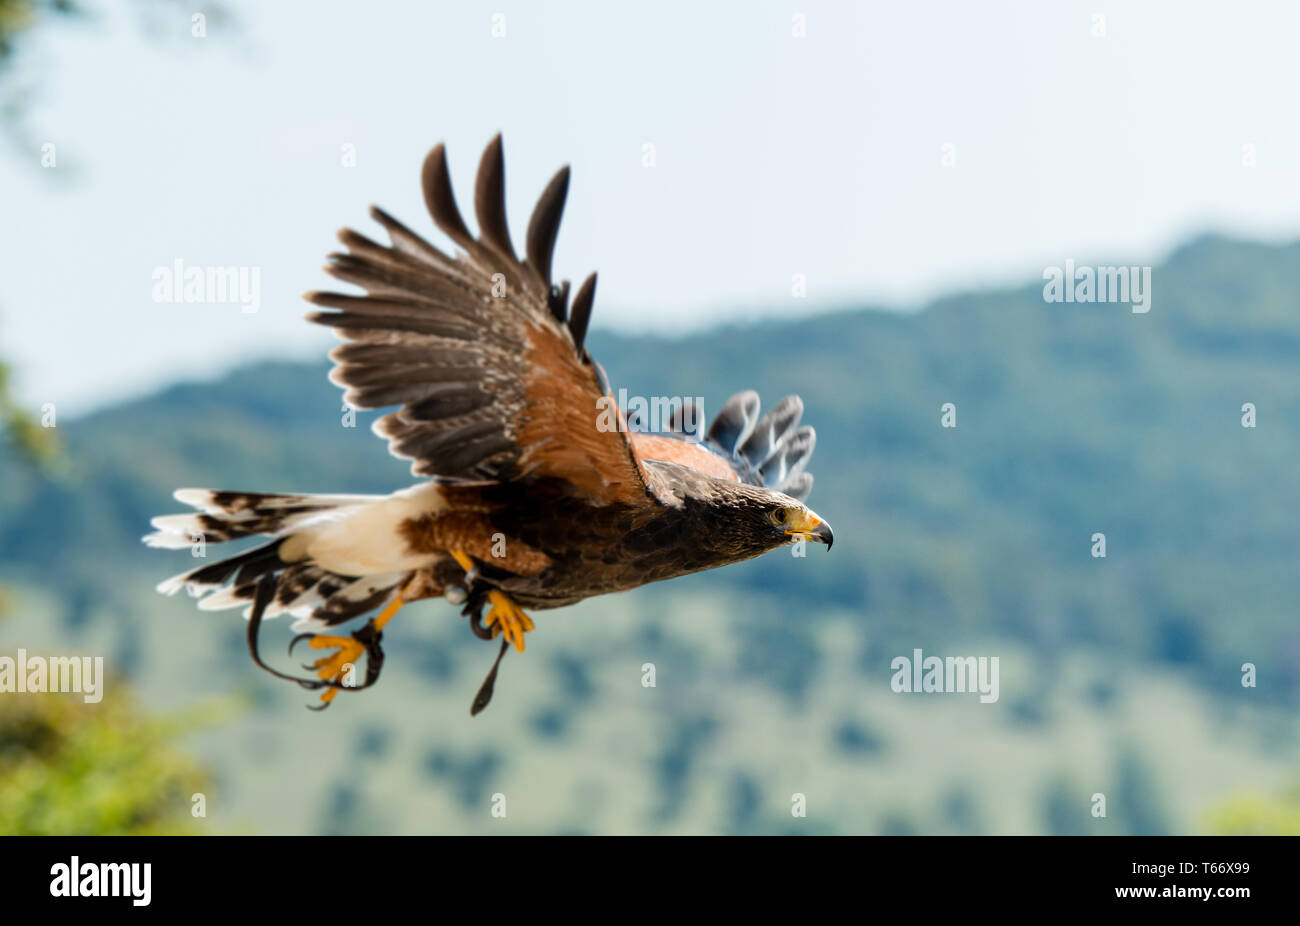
[[1072, 419]]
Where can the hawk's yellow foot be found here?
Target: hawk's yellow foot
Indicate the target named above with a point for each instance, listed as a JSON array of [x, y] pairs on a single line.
[[507, 618], [332, 668]]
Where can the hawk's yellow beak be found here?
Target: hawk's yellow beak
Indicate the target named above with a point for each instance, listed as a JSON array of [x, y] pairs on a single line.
[[807, 526]]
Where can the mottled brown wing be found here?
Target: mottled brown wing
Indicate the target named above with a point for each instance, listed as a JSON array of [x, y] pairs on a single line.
[[480, 350]]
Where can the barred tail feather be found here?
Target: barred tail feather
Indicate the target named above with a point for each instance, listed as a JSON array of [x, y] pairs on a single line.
[[245, 568], [233, 515], [317, 596]]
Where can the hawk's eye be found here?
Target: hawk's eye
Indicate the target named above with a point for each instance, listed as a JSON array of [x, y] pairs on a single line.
[[779, 516]]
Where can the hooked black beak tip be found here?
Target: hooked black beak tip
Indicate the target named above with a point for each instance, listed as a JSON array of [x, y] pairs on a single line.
[[822, 533]]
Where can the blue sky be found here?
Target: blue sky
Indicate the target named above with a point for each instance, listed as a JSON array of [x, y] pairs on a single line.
[[774, 155]]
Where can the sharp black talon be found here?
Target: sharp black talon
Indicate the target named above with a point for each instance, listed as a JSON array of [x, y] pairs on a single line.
[[474, 611], [369, 636], [476, 624], [319, 707]]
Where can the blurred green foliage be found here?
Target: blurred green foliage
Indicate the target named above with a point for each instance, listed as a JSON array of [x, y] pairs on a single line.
[[68, 767], [1258, 814], [33, 442], [71, 768]]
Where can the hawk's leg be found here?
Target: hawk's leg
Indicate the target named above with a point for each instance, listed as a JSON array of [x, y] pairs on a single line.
[[332, 669], [505, 617]]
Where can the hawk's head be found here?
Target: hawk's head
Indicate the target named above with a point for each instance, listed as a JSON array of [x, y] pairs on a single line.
[[732, 521], [796, 521], [754, 519]]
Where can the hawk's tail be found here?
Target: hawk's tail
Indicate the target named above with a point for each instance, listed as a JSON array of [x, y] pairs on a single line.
[[233, 515], [303, 588]]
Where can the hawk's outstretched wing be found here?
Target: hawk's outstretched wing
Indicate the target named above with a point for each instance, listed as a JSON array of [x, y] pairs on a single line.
[[482, 352], [485, 357]]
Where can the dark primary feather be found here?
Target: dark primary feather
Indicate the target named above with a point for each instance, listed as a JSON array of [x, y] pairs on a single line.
[[581, 314], [544, 226], [441, 202], [490, 200]]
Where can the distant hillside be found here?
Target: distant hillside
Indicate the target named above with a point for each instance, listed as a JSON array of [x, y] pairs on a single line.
[[1072, 419], [1120, 674]]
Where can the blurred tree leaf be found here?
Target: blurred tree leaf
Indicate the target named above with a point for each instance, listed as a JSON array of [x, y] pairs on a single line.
[[71, 768]]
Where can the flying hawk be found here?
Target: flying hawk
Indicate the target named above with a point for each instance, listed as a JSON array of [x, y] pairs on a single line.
[[537, 493]]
